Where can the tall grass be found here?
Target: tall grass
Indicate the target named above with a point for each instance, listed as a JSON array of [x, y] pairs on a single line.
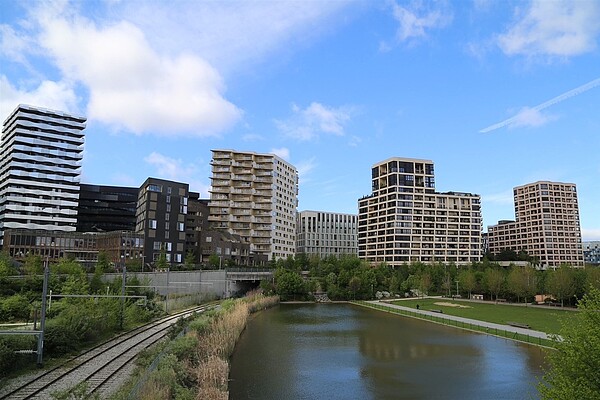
[[204, 368]]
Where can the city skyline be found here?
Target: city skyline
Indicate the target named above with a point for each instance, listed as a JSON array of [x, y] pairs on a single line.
[[493, 92]]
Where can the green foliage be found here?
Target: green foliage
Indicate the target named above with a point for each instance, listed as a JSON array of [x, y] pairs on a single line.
[[80, 391], [561, 283], [575, 366], [289, 285], [214, 261], [103, 265], [15, 308], [11, 361]]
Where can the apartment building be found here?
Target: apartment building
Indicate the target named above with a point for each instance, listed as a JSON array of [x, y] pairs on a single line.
[[255, 196], [546, 225], [161, 216], [326, 234], [591, 252], [40, 167], [406, 220]]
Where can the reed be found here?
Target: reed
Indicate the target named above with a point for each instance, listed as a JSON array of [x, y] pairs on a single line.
[[207, 364]]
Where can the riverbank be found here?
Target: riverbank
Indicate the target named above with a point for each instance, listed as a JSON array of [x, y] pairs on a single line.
[[506, 331], [195, 364]]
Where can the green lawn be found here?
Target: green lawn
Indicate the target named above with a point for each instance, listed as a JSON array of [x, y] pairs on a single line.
[[539, 319]]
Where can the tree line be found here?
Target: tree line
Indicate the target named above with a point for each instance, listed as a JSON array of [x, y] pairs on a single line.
[[348, 278]]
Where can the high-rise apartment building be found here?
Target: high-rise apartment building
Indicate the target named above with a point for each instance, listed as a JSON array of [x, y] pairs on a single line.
[[161, 216], [546, 225], [255, 196], [591, 252], [40, 166], [406, 220], [326, 234]]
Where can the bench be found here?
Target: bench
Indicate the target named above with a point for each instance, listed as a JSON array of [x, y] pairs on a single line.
[[437, 311], [519, 325], [501, 300]]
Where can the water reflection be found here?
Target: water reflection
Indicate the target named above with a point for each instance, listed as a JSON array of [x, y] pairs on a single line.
[[346, 352]]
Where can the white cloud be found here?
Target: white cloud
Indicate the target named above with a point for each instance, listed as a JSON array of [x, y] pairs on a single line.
[[309, 123], [530, 117], [417, 18], [304, 169], [132, 86], [52, 95], [175, 170], [231, 34], [553, 28], [282, 152]]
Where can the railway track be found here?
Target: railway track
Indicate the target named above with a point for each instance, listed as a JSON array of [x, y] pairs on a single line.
[[100, 364]]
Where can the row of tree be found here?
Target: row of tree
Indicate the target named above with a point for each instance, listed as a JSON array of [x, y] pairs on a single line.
[[348, 277]]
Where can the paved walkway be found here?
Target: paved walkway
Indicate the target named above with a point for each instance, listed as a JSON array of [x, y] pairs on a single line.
[[490, 325]]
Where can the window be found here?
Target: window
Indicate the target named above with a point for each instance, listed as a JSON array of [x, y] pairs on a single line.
[[154, 188], [152, 224], [168, 208], [180, 226], [169, 189], [168, 199], [208, 239], [156, 245], [178, 257], [166, 225], [168, 246]]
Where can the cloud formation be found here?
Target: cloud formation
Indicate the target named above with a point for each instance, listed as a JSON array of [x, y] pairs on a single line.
[[175, 170], [309, 123], [48, 94], [532, 116], [282, 152], [417, 18], [553, 28], [130, 85]]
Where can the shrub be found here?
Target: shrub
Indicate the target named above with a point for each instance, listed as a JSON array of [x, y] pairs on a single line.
[[15, 308]]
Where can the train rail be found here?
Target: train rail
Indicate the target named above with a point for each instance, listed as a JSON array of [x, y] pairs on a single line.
[[98, 365]]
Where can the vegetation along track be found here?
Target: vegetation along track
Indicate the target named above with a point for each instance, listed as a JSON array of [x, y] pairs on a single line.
[[99, 364]]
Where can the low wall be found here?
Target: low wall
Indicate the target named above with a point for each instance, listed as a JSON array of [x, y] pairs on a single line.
[[210, 283]]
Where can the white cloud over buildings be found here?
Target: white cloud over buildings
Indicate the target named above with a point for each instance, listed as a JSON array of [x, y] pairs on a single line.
[[316, 119]]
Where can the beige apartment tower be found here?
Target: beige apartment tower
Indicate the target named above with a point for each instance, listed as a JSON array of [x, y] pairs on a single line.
[[326, 234], [546, 225], [255, 196], [405, 220]]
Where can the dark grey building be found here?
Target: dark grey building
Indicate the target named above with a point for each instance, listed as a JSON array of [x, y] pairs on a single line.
[[106, 208], [161, 212]]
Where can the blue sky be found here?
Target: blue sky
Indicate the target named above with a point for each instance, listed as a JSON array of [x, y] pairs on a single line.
[[332, 86]]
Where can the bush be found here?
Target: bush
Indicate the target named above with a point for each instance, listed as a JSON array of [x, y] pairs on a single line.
[[15, 308]]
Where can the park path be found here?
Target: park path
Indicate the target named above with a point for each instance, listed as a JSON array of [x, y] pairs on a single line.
[[484, 324]]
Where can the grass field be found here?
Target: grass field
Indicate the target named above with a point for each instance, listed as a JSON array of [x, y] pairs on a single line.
[[539, 319]]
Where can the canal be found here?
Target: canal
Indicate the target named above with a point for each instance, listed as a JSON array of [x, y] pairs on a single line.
[[341, 351]]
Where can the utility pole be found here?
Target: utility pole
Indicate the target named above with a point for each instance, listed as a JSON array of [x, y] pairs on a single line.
[[167, 297], [123, 295], [457, 288], [40, 346]]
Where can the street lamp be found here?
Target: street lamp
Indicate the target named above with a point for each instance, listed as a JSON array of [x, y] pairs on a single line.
[[457, 287]]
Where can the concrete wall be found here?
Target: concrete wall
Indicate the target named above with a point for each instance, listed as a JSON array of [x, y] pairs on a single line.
[[211, 283]]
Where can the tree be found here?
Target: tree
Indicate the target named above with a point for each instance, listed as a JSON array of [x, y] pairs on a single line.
[[354, 285], [494, 279], [103, 265], [561, 283], [214, 261], [190, 260], [161, 263], [521, 282], [575, 367], [468, 280], [289, 284]]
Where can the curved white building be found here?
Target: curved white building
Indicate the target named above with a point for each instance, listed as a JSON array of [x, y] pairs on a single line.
[[40, 166]]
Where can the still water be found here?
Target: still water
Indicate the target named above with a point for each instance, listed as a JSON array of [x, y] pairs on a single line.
[[340, 351]]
